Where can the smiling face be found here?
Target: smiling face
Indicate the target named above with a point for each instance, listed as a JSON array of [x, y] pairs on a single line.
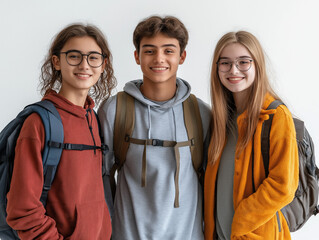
[[159, 57], [235, 80], [82, 77]]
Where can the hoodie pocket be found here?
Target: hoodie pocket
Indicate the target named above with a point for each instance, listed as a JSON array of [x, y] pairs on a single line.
[[92, 221]]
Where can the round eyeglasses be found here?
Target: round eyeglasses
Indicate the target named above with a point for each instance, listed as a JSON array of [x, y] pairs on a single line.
[[75, 57], [242, 64]]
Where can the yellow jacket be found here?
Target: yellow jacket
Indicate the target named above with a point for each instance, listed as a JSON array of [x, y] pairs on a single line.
[[255, 213]]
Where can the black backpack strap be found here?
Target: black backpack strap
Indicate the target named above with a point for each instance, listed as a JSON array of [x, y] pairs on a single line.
[[265, 134], [104, 147], [77, 147]]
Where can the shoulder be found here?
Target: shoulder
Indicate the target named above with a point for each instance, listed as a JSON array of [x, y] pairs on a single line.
[[282, 117], [203, 105], [282, 114], [204, 108], [32, 127], [283, 121], [108, 106], [205, 113]]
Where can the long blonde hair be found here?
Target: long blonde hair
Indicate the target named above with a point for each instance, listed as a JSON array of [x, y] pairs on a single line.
[[222, 99]]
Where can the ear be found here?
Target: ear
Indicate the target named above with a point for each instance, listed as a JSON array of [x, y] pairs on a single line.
[[183, 56], [56, 62], [137, 58], [103, 65]]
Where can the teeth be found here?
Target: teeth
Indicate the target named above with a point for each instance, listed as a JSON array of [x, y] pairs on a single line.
[[83, 75], [159, 69]]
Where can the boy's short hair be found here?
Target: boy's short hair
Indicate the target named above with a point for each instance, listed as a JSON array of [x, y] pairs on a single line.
[[169, 25]]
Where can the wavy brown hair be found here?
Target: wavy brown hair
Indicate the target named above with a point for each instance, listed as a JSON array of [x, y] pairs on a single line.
[[50, 78], [169, 25], [223, 105]]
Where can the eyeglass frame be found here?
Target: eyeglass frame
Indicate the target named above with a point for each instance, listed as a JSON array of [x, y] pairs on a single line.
[[232, 62], [82, 55]]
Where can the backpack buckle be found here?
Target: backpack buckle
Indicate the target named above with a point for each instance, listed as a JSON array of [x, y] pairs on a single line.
[[104, 148], [157, 142], [67, 146]]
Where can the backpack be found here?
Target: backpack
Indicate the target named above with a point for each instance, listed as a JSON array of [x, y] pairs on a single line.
[[124, 126], [51, 154], [305, 202]]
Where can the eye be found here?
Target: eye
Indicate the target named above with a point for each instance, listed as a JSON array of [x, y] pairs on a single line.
[[94, 56], [148, 51], [243, 62], [74, 55], [169, 51], [224, 63]]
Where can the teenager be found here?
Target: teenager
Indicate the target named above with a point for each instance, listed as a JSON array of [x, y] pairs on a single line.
[[241, 94], [77, 69], [163, 198]]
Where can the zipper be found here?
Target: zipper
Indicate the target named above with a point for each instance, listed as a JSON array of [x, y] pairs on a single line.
[[90, 126]]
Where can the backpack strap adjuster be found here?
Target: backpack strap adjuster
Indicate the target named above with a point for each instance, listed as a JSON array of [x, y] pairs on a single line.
[[157, 142], [316, 211]]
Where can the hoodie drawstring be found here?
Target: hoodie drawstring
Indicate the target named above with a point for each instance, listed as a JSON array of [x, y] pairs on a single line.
[[90, 126], [161, 143]]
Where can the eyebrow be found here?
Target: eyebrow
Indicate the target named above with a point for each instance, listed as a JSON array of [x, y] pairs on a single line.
[[236, 58], [165, 45], [75, 50]]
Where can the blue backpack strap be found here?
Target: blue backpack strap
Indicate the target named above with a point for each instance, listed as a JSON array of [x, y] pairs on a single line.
[[53, 132]]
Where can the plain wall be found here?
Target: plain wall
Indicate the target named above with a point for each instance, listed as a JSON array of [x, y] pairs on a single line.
[[287, 29]]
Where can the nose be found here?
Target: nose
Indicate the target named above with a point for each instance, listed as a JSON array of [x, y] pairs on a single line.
[[159, 57], [233, 68], [84, 64]]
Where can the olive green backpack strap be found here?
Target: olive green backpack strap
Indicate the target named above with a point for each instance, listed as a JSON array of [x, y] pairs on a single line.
[[123, 129], [193, 123]]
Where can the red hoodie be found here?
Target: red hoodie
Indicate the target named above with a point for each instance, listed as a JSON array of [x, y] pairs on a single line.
[[76, 208]]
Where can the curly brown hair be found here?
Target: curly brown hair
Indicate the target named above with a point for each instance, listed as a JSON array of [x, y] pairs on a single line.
[[50, 78], [169, 25]]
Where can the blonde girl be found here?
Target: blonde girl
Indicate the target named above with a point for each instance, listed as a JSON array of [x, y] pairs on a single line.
[[241, 94]]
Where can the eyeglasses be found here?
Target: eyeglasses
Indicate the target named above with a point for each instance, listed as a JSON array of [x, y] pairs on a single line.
[[242, 64], [75, 57]]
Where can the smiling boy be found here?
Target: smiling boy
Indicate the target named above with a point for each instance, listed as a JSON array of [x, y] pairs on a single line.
[[158, 194]]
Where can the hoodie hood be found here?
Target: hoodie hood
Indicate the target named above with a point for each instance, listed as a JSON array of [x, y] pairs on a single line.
[[62, 103], [182, 93]]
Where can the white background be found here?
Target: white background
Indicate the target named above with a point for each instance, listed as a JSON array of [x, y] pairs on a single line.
[[287, 29]]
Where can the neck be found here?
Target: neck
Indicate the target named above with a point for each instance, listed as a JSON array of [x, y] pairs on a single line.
[[159, 92], [240, 101], [77, 98]]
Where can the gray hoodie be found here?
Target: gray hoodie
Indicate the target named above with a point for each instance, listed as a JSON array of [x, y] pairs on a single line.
[[148, 213]]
